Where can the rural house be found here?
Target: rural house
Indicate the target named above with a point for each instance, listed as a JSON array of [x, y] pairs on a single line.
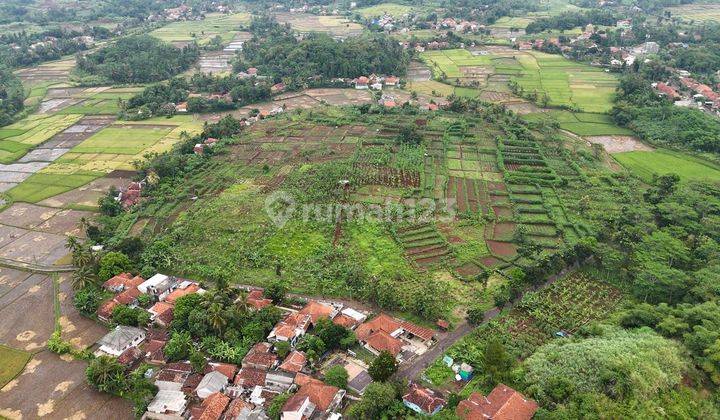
[[312, 399], [168, 403], [260, 356], [503, 403], [211, 383], [120, 339], [210, 409], [423, 400]]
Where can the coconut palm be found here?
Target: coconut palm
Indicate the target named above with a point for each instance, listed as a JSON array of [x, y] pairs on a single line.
[[83, 277], [217, 318]]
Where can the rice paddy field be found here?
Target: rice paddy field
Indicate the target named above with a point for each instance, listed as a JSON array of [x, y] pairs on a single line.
[[336, 26], [18, 138], [699, 12], [226, 26], [581, 123], [566, 83], [645, 164], [113, 148], [12, 362], [392, 9]]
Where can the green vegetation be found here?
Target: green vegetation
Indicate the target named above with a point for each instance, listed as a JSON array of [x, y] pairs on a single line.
[[647, 165], [12, 96], [543, 78], [13, 362], [203, 31], [137, 59], [392, 9], [580, 123]]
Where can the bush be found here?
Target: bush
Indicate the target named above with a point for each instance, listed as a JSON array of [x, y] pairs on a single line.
[[337, 376], [112, 264]]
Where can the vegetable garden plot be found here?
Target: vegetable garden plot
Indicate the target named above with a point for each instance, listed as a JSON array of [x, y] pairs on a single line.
[[424, 245]]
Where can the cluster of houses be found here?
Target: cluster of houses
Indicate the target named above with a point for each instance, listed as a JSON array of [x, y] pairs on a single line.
[[374, 82], [245, 392], [162, 289], [688, 92], [49, 42], [502, 403]]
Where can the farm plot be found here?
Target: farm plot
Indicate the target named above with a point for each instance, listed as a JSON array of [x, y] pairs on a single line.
[[646, 164], [390, 9], [561, 81], [582, 124], [571, 302], [335, 26], [701, 12], [53, 72], [107, 150], [215, 24], [12, 362], [18, 138], [424, 245]]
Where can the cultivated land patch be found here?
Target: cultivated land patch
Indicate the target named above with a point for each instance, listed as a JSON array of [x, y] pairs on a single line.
[[581, 123], [701, 12], [619, 144], [54, 72], [335, 26], [215, 24], [12, 362], [391, 9], [561, 81], [645, 164], [95, 150]]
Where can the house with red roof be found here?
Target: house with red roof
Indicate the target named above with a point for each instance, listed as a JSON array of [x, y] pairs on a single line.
[[122, 282], [385, 333], [183, 289], [314, 399], [211, 408], [423, 400], [292, 327], [260, 356], [249, 378], [318, 310], [257, 300], [362, 82], [294, 362], [503, 403], [667, 91]]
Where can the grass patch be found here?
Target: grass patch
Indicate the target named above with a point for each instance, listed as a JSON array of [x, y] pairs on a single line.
[[12, 362], [226, 26], [645, 164]]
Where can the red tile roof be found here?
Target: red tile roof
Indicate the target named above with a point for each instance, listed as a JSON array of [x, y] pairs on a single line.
[[260, 356], [294, 362], [418, 331], [105, 309], [249, 377], [236, 407], [362, 80], [320, 394], [256, 299], [178, 293], [382, 322], [382, 341], [160, 307], [128, 296], [154, 351], [213, 406], [424, 398], [124, 281], [317, 310], [129, 356], [227, 369], [503, 403], [345, 321]]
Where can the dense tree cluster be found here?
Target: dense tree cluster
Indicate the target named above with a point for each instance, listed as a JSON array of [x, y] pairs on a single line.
[[569, 20], [138, 59], [658, 121], [12, 95], [276, 52], [25, 49]]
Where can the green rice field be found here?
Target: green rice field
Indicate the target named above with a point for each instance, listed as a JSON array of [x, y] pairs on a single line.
[[203, 30], [581, 123], [660, 162], [392, 9], [18, 138], [566, 83]]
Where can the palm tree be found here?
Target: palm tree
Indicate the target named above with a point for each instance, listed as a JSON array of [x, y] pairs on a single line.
[[82, 257], [216, 316], [83, 277], [73, 244]]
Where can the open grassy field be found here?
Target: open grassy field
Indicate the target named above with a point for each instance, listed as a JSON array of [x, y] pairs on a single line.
[[18, 138], [112, 148], [699, 12], [507, 22], [563, 82], [582, 124], [392, 9], [203, 30], [332, 25], [12, 362], [644, 164]]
